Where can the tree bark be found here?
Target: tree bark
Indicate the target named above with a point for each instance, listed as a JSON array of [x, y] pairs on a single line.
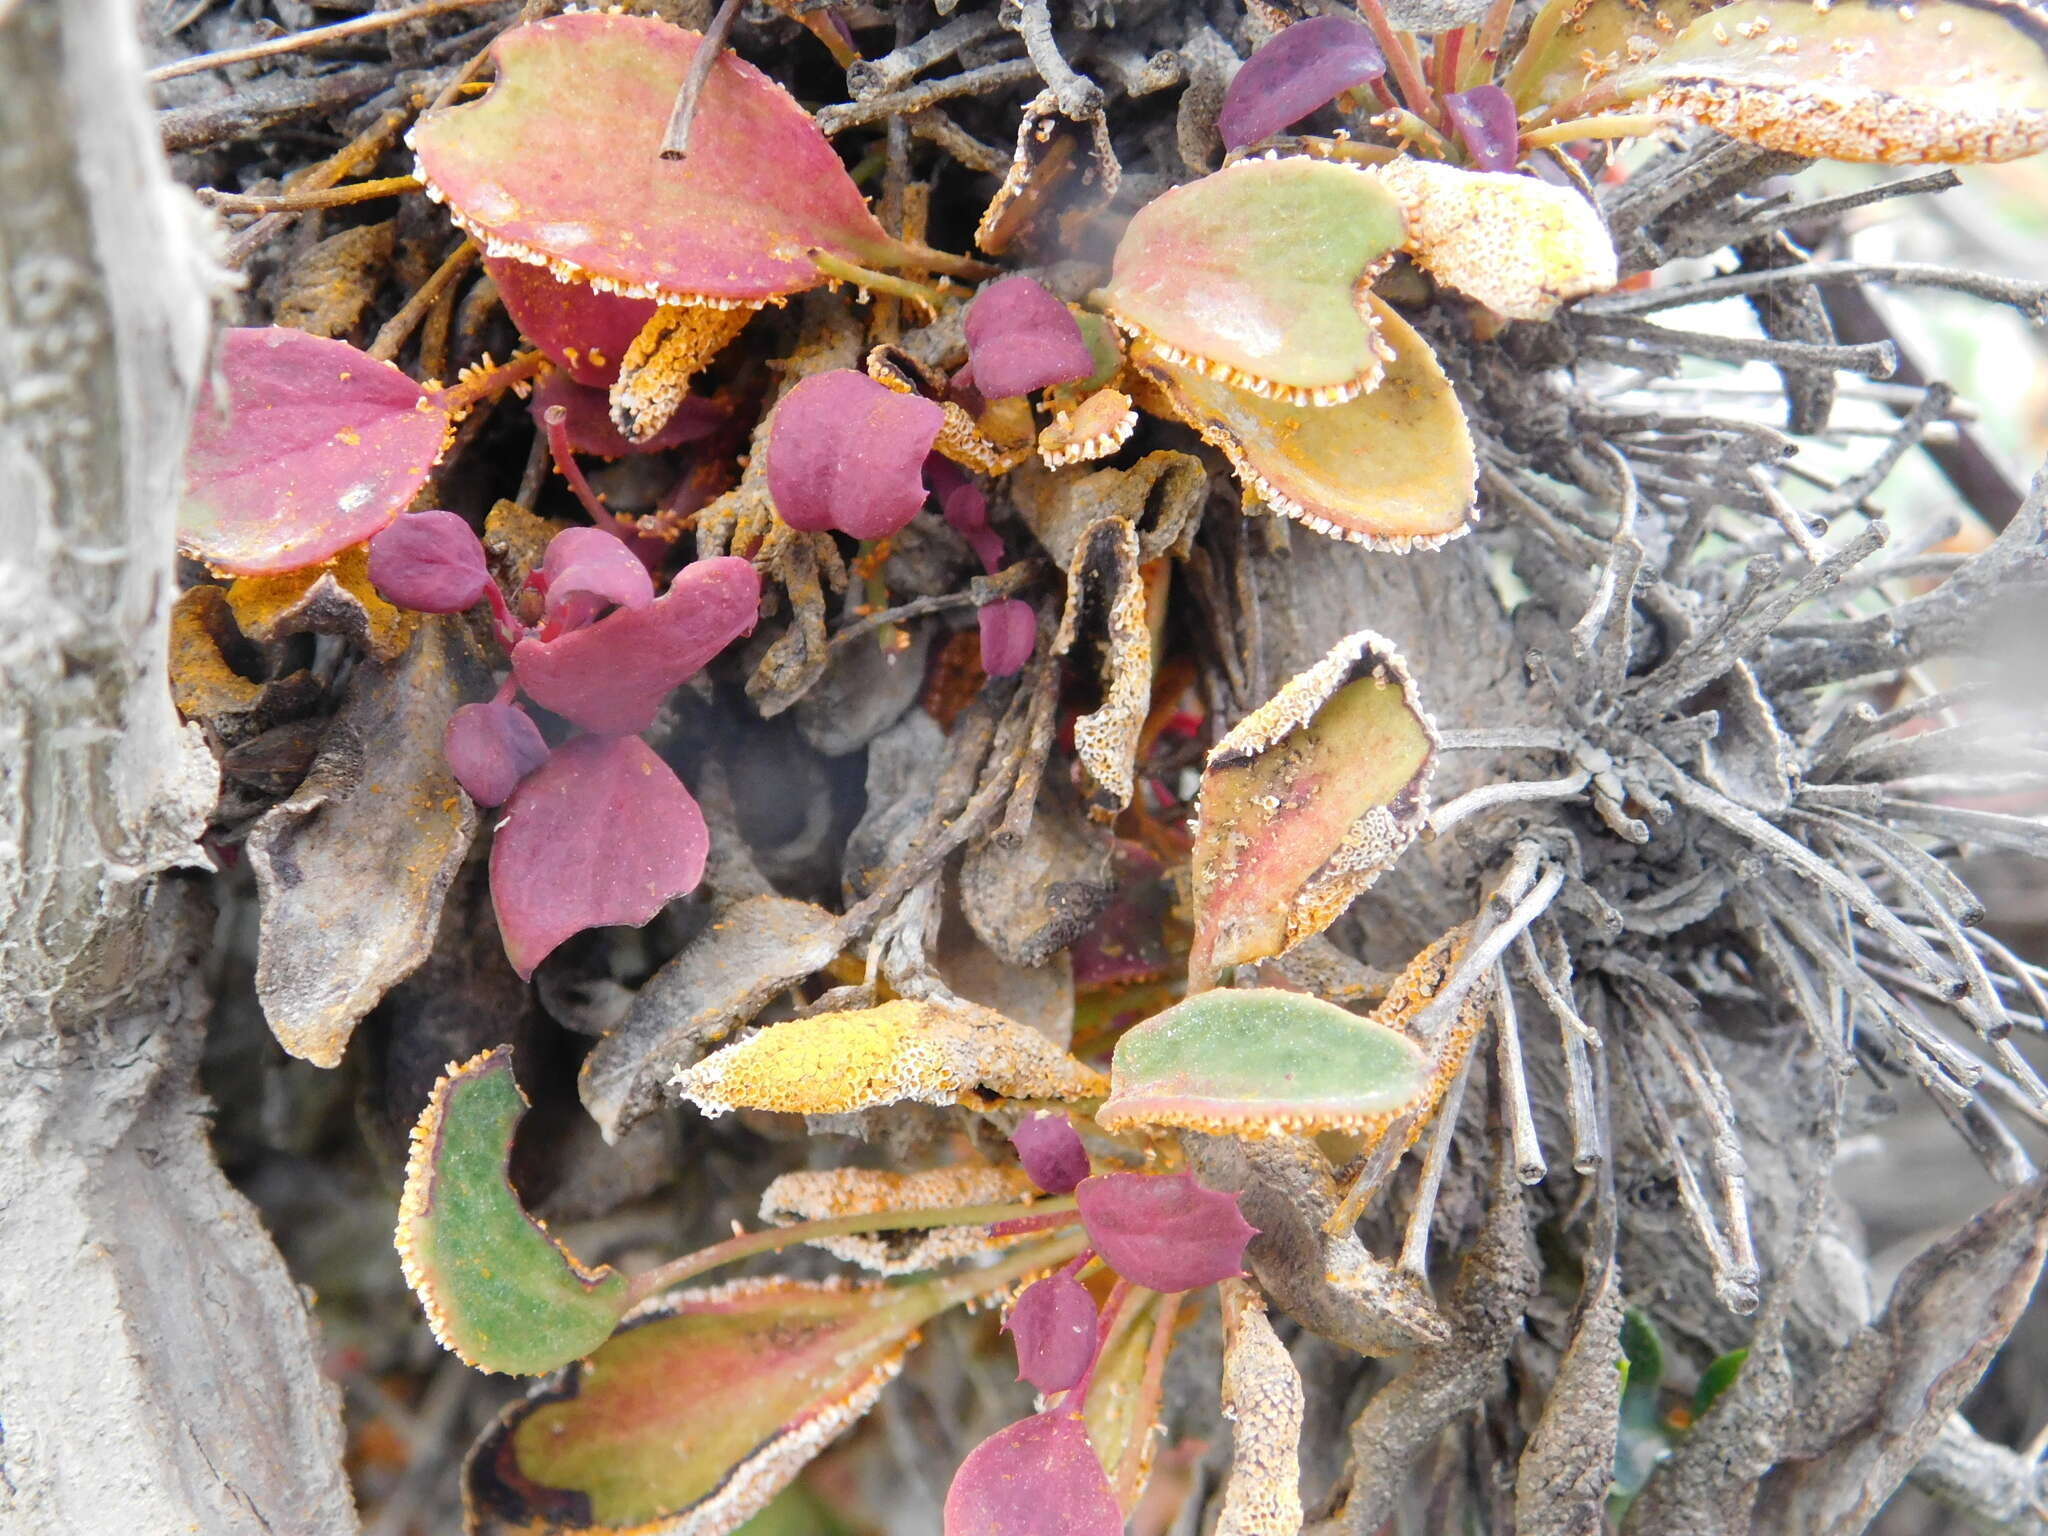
[[157, 1364]]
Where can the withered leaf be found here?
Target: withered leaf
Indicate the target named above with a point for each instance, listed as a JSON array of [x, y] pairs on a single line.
[[815, 1194], [332, 598], [1030, 898], [352, 869], [1263, 1398], [1307, 801], [1161, 496], [1106, 613], [204, 685]]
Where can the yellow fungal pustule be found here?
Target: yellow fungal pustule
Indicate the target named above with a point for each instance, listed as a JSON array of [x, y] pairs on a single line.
[[1094, 429], [671, 349]]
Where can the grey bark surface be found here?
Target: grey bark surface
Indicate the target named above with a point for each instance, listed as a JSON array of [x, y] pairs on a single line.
[[157, 1364]]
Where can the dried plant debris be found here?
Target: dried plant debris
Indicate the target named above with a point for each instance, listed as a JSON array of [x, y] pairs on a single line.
[[817, 1194]]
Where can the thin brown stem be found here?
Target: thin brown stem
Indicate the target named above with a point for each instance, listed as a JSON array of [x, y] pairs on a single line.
[[302, 202], [341, 31], [1445, 57], [675, 139], [401, 325], [1394, 43]]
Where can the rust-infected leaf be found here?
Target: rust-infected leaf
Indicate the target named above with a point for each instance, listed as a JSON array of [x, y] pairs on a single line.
[[203, 684], [1161, 496], [334, 597], [1518, 245], [1573, 43], [1106, 614], [1393, 469], [815, 1194], [1094, 429], [1307, 801], [1860, 80], [352, 869], [923, 1052], [1263, 1399], [499, 1292]]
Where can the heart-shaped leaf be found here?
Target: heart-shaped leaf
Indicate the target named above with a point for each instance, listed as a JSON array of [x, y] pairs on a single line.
[[431, 562], [1394, 469], [1020, 338], [1251, 277], [586, 571], [560, 165], [847, 453], [1053, 1324], [1165, 1231], [1860, 80], [490, 748], [1036, 1476], [1306, 802], [925, 1052], [1572, 44], [498, 1290], [583, 330], [1009, 634], [611, 676], [1518, 245], [698, 1410], [601, 834], [312, 447], [1258, 1061], [1050, 1149], [1299, 69]]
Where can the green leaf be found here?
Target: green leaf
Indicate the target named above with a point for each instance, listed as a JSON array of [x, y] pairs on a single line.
[[1571, 43], [1306, 802], [1860, 80], [1252, 277], [1393, 469], [1256, 1061], [701, 1408], [1717, 1378], [1644, 1351], [559, 165], [498, 1290]]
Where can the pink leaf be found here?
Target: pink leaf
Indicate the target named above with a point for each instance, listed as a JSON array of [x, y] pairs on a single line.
[[587, 418], [844, 452], [602, 833], [431, 562], [611, 676], [1009, 634], [314, 447], [965, 393], [1037, 1477], [1021, 338], [964, 505], [1303, 67], [1055, 1329], [1050, 1149], [587, 570], [587, 332], [1164, 1230], [490, 748], [1485, 119]]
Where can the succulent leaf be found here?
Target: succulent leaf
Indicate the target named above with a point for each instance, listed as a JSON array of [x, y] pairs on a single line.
[[587, 571], [1299, 69], [847, 453], [814, 1194], [1039, 1474], [925, 1052], [1307, 801], [1020, 339], [1252, 277], [1051, 1151], [1009, 634], [601, 834], [498, 1290], [1394, 469], [1484, 118], [1164, 1231], [584, 331], [1518, 245], [1575, 43], [431, 562], [1053, 1324], [559, 165], [1258, 1061], [587, 417], [698, 1410], [1860, 80], [490, 748], [314, 446]]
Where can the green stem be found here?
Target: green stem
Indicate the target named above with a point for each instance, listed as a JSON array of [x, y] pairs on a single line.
[[844, 271], [773, 1239], [1406, 125], [974, 1284], [1632, 125]]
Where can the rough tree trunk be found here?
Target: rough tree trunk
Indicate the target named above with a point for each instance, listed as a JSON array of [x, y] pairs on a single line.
[[157, 1365]]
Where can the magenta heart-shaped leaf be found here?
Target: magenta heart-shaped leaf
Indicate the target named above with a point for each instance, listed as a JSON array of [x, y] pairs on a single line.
[[964, 505], [1053, 1325], [1050, 1149], [431, 562], [847, 453], [311, 447], [603, 833], [611, 676], [561, 163], [586, 571], [1164, 1230], [491, 747], [1037, 1477], [585, 331], [1484, 118], [1303, 67], [587, 419], [1020, 338], [1009, 634]]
